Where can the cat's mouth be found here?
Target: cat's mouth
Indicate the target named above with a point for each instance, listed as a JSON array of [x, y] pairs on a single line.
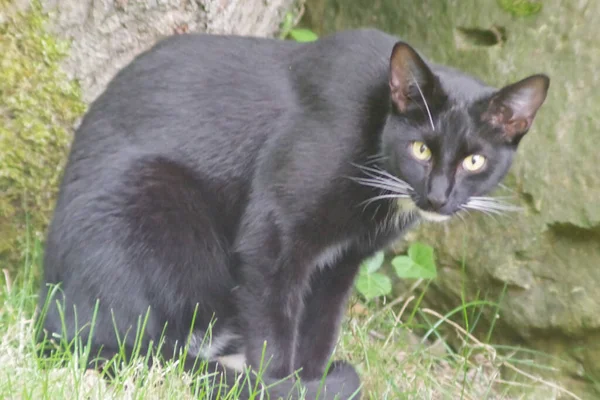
[[433, 216], [408, 205]]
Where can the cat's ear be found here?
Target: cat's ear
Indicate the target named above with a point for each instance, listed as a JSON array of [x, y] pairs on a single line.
[[513, 108], [409, 77]]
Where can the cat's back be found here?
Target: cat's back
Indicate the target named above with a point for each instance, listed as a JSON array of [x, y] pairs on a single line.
[[208, 102], [190, 82], [204, 78], [212, 100]]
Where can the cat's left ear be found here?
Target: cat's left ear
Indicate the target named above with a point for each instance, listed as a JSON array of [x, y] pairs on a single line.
[[411, 81], [513, 108]]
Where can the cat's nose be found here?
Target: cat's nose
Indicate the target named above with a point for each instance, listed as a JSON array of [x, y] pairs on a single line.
[[437, 200]]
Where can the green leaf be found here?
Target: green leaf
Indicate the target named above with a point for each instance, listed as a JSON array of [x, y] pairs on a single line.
[[372, 264], [373, 285], [402, 264], [287, 25], [303, 35], [419, 264], [422, 254], [520, 8]]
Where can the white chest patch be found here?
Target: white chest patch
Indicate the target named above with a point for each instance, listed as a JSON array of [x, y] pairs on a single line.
[[332, 254]]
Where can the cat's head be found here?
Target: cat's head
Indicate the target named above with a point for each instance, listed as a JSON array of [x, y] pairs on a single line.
[[451, 152]]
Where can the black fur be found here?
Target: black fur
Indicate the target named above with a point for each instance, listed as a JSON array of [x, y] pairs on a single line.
[[216, 172]]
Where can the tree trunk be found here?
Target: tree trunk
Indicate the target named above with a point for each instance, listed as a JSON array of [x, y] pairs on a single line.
[[108, 34]]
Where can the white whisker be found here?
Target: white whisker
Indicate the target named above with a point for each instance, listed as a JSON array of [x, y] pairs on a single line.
[[384, 196], [424, 101], [391, 186], [382, 184], [483, 210], [459, 215], [396, 186], [495, 203], [466, 210], [490, 205], [376, 158], [376, 210], [379, 173], [492, 199], [503, 186], [495, 198]]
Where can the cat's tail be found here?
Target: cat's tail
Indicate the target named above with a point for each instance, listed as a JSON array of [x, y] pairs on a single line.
[[341, 383]]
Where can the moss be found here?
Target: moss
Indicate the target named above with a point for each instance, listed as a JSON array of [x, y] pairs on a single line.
[[38, 107]]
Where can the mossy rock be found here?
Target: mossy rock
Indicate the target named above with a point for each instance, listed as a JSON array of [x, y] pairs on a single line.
[[38, 107]]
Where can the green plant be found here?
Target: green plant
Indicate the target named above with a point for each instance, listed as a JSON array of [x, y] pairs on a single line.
[[303, 35], [288, 30], [370, 283], [419, 263], [520, 8]]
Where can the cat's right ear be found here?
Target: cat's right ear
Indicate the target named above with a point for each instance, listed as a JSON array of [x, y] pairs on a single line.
[[411, 80], [513, 108]]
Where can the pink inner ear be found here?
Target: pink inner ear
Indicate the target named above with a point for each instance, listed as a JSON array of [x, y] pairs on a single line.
[[399, 98], [405, 67], [516, 126], [399, 86], [395, 80], [524, 103], [502, 116], [514, 108]]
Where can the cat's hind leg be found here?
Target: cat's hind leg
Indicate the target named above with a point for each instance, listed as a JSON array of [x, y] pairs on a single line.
[[141, 243]]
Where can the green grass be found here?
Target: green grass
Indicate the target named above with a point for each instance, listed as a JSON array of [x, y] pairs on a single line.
[[24, 375], [380, 338]]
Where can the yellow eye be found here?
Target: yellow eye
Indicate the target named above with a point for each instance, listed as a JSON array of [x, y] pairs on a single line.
[[474, 162], [421, 151]]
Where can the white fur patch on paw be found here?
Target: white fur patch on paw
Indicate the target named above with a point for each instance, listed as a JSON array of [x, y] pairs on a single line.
[[233, 361]]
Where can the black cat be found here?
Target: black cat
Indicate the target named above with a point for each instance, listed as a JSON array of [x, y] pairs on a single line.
[[246, 179]]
